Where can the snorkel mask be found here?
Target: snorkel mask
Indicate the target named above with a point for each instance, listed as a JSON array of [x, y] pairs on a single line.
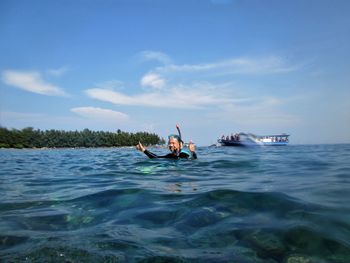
[[176, 137]]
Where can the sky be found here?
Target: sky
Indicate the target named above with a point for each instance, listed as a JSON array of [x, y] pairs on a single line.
[[213, 66]]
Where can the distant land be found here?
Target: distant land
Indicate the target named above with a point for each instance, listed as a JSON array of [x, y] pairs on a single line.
[[32, 138]]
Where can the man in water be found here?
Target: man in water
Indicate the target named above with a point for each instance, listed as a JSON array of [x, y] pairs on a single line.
[[175, 146]]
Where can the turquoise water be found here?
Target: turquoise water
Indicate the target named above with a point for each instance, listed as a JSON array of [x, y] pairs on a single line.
[[271, 204]]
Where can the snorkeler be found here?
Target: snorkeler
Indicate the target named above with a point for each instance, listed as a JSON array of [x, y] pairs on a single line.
[[175, 145]]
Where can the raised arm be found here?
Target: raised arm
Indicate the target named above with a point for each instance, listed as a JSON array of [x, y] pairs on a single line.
[[192, 148], [151, 155]]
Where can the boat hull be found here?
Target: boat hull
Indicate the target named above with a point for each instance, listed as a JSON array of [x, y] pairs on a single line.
[[275, 143], [231, 143]]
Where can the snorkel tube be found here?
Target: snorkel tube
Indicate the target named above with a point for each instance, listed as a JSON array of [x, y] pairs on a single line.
[[179, 132]]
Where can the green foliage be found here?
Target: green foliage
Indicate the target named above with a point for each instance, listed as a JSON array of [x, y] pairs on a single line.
[[30, 138]]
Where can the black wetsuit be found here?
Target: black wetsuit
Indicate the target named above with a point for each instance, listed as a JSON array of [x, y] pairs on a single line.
[[181, 155]]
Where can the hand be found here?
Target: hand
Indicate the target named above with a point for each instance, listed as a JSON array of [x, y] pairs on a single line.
[[140, 147], [191, 146], [177, 126]]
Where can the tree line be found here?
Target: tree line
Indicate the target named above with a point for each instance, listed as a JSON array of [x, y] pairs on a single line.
[[31, 138]]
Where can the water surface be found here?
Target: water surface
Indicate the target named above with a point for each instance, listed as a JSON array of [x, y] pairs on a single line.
[[265, 204]]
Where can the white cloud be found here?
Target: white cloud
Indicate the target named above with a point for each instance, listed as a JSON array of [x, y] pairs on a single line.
[[177, 97], [242, 65], [152, 80], [181, 91], [267, 65], [32, 82], [155, 55], [100, 114]]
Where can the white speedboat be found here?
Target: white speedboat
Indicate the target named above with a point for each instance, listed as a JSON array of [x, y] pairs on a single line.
[[249, 139]]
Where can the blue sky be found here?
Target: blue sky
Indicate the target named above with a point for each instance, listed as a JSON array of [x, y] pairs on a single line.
[[215, 67]]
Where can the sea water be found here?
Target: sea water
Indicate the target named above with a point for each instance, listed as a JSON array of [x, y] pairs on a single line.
[[262, 204]]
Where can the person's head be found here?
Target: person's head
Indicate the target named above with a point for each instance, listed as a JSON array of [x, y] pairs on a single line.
[[174, 143]]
